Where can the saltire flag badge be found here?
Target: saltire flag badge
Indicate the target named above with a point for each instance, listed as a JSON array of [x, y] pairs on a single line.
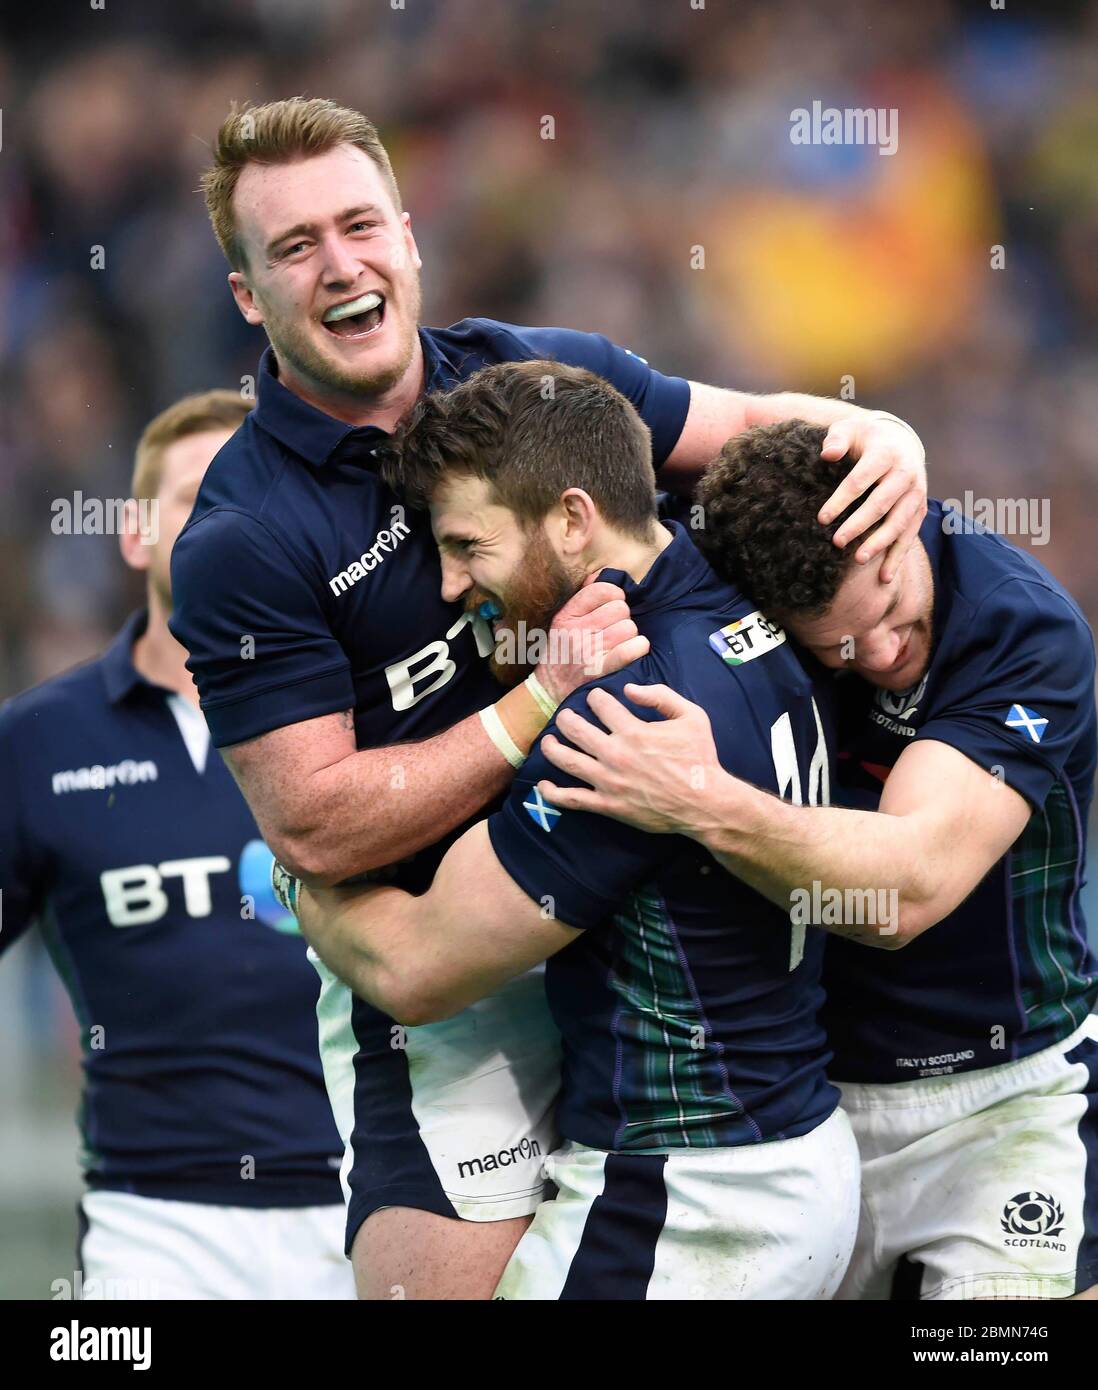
[[746, 638], [540, 811], [1027, 721]]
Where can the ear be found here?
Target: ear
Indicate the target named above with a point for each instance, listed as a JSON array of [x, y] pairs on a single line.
[[409, 240], [136, 552], [580, 518], [245, 298]]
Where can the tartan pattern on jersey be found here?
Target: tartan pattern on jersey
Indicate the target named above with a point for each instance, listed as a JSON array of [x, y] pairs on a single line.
[[670, 1081], [1058, 990]]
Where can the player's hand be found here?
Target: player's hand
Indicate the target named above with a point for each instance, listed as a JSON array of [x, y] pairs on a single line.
[[592, 635], [651, 775], [890, 457]]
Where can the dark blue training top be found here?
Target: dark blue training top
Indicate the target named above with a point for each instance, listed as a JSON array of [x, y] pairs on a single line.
[[303, 587], [201, 1064], [1010, 685], [688, 1007]]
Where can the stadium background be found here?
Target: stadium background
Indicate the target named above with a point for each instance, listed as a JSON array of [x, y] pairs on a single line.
[[670, 211]]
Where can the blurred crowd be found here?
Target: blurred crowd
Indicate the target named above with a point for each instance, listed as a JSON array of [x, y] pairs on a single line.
[[662, 202], [625, 167]]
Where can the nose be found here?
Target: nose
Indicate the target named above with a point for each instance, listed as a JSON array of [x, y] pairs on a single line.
[[456, 579], [341, 265], [878, 649]]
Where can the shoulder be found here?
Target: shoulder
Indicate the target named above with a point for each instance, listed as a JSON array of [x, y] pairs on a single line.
[[1001, 595], [251, 477], [987, 570], [512, 342], [52, 701]]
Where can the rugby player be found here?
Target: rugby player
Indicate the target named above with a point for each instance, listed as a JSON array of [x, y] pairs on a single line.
[[209, 1148], [968, 1060], [703, 1153], [345, 691]]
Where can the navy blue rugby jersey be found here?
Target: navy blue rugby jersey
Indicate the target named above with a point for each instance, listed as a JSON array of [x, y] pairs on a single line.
[[688, 1008], [302, 585], [1011, 685], [202, 1075]]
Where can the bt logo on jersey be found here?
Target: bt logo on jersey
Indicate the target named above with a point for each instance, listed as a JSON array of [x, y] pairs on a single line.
[[429, 669], [135, 895], [140, 893]]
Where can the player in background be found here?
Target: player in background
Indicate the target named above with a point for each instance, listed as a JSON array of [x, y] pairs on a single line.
[[698, 1126], [968, 1060], [365, 724], [209, 1148]]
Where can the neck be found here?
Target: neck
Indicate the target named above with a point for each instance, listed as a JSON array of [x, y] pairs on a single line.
[[635, 557], [159, 657], [383, 408]]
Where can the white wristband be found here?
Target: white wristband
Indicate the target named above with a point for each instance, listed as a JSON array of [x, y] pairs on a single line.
[[542, 698], [493, 727]]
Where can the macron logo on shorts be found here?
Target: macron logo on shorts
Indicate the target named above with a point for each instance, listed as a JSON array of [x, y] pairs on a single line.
[[525, 1149]]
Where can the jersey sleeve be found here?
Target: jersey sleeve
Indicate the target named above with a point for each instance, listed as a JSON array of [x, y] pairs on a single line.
[[661, 401], [1024, 697], [260, 645], [578, 865], [22, 862]]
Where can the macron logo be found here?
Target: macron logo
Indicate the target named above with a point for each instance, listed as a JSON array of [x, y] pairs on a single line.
[[385, 543], [97, 777]]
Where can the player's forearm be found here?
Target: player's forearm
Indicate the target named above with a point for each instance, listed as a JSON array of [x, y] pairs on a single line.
[[717, 415], [380, 805], [863, 874], [363, 935], [417, 959]]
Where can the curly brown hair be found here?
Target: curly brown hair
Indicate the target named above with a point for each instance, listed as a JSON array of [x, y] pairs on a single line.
[[761, 496]]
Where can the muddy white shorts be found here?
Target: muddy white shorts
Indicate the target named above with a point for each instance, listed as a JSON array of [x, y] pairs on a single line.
[[148, 1247], [760, 1221], [454, 1118], [984, 1184]]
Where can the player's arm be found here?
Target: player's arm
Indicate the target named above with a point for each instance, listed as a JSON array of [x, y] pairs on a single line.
[[330, 811], [931, 848], [423, 959], [890, 459], [277, 693]]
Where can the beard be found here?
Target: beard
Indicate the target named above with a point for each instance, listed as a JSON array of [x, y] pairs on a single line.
[[292, 344], [540, 585]]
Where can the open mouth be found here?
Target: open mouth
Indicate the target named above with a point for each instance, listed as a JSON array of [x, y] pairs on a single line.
[[356, 319]]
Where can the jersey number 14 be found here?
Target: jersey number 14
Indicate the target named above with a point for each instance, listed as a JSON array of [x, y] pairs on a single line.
[[787, 770]]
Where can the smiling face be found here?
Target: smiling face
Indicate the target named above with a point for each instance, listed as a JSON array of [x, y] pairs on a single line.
[[332, 273], [890, 624], [489, 556]]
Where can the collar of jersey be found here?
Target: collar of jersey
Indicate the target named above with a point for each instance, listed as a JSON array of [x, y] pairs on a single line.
[[120, 675], [676, 571], [311, 433]]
